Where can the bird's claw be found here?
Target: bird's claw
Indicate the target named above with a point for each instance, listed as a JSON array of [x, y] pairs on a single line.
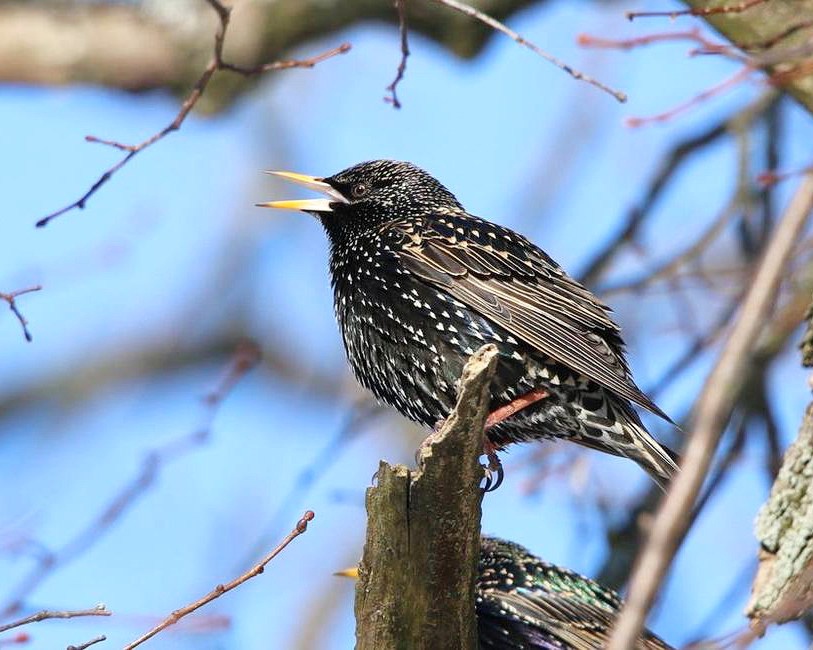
[[493, 471]]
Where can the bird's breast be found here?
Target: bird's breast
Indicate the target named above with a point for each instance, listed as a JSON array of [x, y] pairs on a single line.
[[408, 342]]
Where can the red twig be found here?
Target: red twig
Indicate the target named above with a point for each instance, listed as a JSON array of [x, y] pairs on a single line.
[[739, 76], [11, 299], [700, 11], [215, 63], [693, 35], [241, 362], [219, 590], [770, 177], [400, 6], [500, 27]]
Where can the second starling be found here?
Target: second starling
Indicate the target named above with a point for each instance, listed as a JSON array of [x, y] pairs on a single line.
[[524, 603], [420, 284]]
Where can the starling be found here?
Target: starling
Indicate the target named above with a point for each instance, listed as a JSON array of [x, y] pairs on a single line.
[[420, 284], [524, 603]]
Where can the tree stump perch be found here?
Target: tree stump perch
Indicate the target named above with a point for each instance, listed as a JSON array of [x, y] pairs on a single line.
[[416, 585]]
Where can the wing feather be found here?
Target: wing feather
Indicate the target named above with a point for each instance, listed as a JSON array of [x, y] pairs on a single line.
[[543, 307]]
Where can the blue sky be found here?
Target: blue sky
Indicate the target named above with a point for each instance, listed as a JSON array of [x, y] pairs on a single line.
[[172, 250]]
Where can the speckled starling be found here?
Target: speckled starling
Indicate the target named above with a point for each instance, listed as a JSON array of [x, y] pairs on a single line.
[[419, 285], [524, 603]]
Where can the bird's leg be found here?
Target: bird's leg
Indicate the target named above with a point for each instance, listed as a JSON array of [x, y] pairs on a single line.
[[521, 402], [494, 418]]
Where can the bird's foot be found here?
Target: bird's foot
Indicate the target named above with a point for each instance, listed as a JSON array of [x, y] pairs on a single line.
[[493, 471], [521, 402]]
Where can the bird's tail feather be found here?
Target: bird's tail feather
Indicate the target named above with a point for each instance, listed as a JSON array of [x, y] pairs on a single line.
[[635, 443], [659, 461]]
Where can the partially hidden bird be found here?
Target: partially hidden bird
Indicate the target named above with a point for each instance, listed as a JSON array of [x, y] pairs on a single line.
[[420, 284], [525, 603]]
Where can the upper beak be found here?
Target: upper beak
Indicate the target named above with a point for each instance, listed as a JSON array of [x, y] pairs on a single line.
[[307, 205]]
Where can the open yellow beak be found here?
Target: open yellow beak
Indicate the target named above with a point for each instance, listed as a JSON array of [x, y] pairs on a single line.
[[307, 205], [352, 572]]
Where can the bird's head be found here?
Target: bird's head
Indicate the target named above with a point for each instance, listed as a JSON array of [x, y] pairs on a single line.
[[370, 194]]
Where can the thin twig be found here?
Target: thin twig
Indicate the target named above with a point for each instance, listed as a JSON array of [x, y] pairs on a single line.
[[87, 644], [705, 46], [11, 299], [215, 63], [772, 177], [500, 27], [699, 11], [360, 415], [400, 6], [780, 36], [670, 266], [245, 358], [693, 350], [711, 414], [667, 170], [99, 610], [219, 590], [726, 84]]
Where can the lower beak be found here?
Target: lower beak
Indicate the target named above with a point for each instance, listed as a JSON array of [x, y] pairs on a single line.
[[353, 572], [307, 205]]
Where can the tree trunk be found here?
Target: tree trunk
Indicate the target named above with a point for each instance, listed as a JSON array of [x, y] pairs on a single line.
[[416, 584]]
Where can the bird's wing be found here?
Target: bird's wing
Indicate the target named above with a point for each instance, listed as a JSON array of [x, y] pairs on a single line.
[[580, 624], [507, 279], [499, 630]]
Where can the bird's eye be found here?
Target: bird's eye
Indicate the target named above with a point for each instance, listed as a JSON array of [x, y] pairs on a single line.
[[359, 190]]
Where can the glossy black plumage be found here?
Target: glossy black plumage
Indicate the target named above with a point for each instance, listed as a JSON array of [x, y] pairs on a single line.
[[420, 284], [524, 603]]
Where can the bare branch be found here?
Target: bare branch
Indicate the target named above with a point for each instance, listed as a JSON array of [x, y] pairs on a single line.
[[360, 415], [99, 610], [47, 561], [11, 298], [671, 163], [219, 590], [771, 176], [732, 8], [711, 414], [215, 63], [692, 35], [500, 27], [400, 6], [87, 644], [726, 84], [682, 257]]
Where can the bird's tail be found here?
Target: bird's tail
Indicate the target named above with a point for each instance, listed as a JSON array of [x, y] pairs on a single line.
[[628, 437], [660, 462]]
